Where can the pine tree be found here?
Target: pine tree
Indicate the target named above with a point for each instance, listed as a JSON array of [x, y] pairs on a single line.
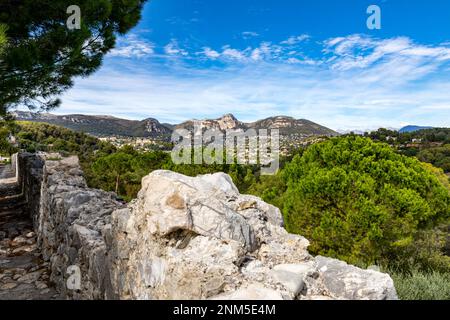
[[43, 55]]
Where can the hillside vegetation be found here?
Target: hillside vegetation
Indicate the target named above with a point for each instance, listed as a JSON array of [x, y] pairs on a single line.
[[430, 145], [112, 169], [359, 201]]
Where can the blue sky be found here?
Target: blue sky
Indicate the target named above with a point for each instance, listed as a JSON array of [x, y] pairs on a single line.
[[307, 59]]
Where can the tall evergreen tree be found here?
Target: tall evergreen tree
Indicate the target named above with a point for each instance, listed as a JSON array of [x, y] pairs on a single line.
[[43, 55]]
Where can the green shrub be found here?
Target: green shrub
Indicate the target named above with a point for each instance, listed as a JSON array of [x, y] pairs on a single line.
[[360, 201], [422, 286]]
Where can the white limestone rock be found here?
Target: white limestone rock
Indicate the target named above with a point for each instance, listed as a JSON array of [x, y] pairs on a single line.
[[198, 238], [254, 291], [349, 282]]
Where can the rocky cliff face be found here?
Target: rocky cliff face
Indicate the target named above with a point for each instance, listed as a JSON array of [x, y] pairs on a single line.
[[183, 238], [226, 122], [289, 126]]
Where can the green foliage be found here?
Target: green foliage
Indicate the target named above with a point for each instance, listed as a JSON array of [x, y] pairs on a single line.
[[439, 173], [430, 145], [3, 39], [438, 156], [7, 126], [360, 201], [34, 137], [419, 285], [141, 164], [426, 136], [122, 171], [4, 144], [118, 170], [45, 55], [271, 189], [116, 165]]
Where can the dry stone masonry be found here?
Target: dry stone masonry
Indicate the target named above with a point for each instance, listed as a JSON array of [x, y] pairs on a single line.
[[182, 238]]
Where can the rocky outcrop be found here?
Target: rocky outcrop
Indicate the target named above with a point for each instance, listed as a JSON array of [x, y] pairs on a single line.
[[183, 238], [198, 238]]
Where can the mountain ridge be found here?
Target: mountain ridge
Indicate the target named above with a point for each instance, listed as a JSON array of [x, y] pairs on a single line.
[[413, 128], [100, 125], [104, 125]]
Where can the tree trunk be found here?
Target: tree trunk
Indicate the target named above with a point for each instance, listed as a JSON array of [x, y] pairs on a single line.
[[117, 184]]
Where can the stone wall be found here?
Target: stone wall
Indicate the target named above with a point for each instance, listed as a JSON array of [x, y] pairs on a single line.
[[30, 173], [69, 218], [182, 238]]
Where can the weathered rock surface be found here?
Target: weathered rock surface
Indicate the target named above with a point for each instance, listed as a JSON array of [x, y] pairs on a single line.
[[198, 238], [348, 282], [182, 238], [69, 223]]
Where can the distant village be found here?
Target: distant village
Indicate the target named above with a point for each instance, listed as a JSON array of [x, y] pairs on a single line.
[[414, 143], [288, 143], [139, 144]]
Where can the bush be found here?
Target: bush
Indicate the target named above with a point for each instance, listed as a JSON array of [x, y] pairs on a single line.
[[269, 188], [422, 286], [438, 156], [359, 201]]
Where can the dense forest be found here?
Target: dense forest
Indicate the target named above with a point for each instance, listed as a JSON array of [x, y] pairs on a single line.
[[430, 145], [355, 198]]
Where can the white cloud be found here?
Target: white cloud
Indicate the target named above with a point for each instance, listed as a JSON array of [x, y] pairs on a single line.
[[295, 39], [256, 54], [306, 61], [357, 83], [357, 51], [210, 53], [293, 60], [235, 54], [132, 47], [266, 51], [249, 34], [172, 48]]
